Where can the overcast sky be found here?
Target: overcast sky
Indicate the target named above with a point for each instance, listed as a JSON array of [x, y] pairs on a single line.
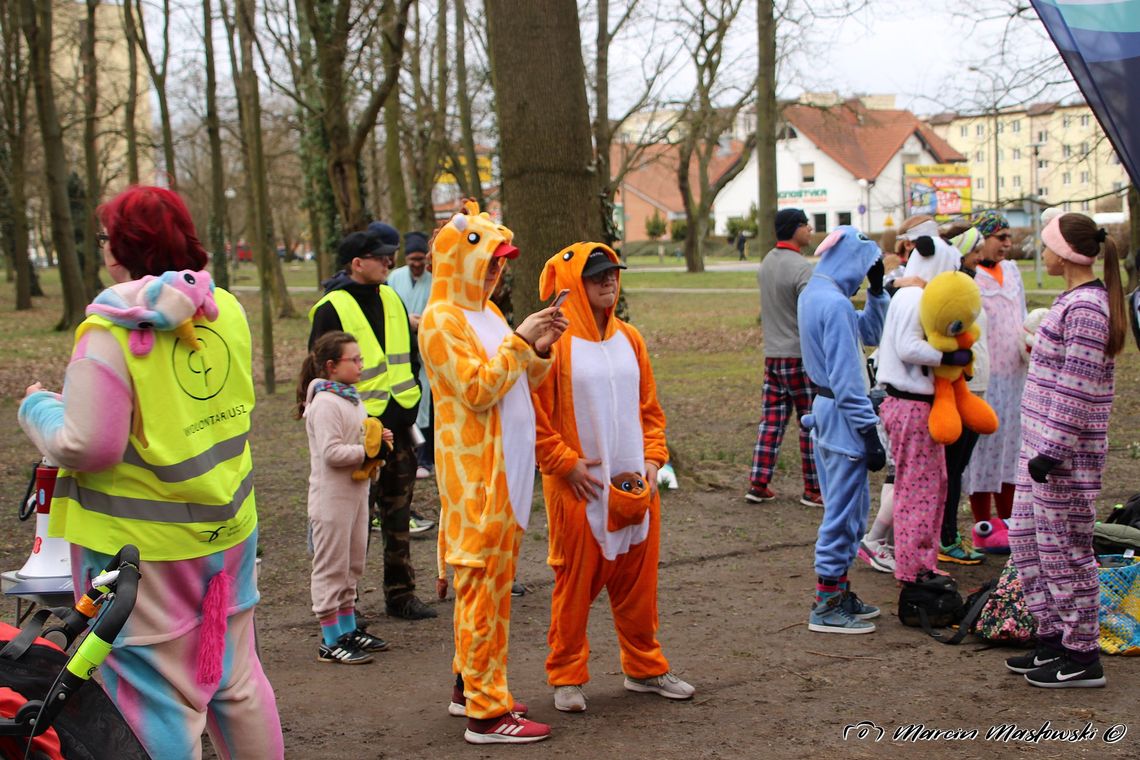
[[914, 49]]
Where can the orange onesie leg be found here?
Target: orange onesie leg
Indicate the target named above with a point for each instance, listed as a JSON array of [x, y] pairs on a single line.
[[630, 579], [482, 626]]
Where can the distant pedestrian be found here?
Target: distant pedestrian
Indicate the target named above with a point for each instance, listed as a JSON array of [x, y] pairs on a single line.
[[783, 275], [740, 241]]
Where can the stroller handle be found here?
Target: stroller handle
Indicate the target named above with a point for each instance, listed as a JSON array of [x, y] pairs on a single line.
[[93, 650]]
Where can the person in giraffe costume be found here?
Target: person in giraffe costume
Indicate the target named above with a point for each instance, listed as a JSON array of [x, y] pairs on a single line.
[[484, 458]]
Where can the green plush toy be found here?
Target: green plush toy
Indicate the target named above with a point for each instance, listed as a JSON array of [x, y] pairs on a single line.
[[949, 311]]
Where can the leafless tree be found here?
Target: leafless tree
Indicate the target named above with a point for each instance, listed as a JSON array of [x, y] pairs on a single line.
[[158, 75], [13, 146]]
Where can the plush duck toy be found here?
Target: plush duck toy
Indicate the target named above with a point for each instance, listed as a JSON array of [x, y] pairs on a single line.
[[374, 449], [948, 312], [168, 302]]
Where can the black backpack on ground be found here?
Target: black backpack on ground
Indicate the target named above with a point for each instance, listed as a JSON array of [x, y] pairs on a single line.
[[1120, 531], [931, 601]]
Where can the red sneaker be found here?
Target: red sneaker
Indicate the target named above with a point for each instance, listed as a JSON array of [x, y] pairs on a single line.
[[457, 707], [812, 499], [505, 729], [759, 495]]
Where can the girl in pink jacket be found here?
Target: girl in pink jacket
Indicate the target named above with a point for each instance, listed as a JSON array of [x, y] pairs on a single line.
[[338, 502]]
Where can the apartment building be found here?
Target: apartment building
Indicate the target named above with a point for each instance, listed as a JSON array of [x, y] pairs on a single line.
[[1056, 152]]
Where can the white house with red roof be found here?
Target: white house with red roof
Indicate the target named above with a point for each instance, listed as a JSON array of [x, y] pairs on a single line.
[[841, 161]]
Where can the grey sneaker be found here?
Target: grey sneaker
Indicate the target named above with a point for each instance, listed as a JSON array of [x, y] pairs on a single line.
[[857, 608], [569, 699], [667, 685], [418, 524], [830, 617]]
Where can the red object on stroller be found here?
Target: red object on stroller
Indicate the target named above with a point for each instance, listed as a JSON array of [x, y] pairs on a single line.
[[46, 708]]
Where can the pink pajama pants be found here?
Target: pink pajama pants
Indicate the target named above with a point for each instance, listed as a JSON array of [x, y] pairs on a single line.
[[920, 486]]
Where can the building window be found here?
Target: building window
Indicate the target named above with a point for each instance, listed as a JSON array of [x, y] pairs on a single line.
[[1001, 154], [980, 130], [1066, 178], [1017, 180], [1001, 182], [807, 173], [1042, 136], [1084, 178], [1017, 154], [819, 222], [1015, 125], [844, 217], [1084, 149], [964, 131], [1000, 127], [1086, 119], [1066, 151], [1066, 121], [1042, 192], [979, 157], [1042, 163], [1085, 205], [980, 183], [1067, 207], [1117, 186]]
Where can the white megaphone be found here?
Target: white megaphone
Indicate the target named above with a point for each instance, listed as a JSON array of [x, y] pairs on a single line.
[[50, 557]]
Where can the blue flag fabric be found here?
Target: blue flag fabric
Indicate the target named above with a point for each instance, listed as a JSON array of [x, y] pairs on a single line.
[[1099, 41]]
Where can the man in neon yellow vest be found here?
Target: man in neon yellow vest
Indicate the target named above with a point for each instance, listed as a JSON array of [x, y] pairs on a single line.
[[357, 301]]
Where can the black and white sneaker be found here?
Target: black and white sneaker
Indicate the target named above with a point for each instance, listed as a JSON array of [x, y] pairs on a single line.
[[1064, 673], [366, 642], [344, 652], [1038, 658]]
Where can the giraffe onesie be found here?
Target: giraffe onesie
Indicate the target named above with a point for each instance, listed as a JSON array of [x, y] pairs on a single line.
[[600, 403], [484, 448]]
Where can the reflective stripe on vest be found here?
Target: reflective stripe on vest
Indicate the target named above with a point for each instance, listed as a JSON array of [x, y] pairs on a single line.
[[383, 376], [184, 488]]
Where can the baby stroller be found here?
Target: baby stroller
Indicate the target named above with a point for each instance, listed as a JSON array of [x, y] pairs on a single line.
[[47, 710]]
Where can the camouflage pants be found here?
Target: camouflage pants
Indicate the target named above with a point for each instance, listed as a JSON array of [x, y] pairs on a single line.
[[390, 499]]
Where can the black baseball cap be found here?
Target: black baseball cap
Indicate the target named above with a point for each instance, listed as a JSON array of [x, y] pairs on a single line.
[[362, 245], [597, 262]]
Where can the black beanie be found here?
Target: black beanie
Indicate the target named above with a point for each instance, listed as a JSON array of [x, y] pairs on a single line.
[[788, 220]]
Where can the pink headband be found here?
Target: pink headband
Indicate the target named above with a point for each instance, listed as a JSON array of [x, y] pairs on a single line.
[[1053, 239]]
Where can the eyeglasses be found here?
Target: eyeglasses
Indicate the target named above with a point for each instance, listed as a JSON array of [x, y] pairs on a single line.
[[357, 360], [600, 277]]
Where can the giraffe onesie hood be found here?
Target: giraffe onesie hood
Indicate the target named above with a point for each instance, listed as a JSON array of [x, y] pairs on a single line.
[[599, 403], [481, 374]]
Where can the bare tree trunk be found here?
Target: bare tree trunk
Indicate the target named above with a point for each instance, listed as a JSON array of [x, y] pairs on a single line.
[[93, 188], [766, 126], [158, 78], [130, 129], [13, 147], [602, 134], [549, 187], [215, 227], [314, 148], [36, 21], [472, 185], [250, 116], [394, 163]]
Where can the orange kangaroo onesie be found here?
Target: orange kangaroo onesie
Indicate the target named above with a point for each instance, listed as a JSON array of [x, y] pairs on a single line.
[[599, 403], [484, 449]]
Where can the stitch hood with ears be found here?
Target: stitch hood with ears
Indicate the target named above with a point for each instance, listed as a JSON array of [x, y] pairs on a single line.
[[845, 256], [563, 270], [460, 254]]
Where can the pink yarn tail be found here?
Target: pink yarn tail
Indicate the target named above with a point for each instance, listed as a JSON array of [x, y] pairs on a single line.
[[212, 642]]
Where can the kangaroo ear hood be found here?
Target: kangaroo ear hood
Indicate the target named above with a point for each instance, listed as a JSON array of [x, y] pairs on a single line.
[[564, 270]]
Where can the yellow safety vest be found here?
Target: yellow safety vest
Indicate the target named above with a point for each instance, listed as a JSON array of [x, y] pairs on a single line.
[[185, 486], [383, 376]]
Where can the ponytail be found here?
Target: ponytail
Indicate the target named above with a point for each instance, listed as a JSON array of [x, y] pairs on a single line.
[[1117, 311], [328, 347]]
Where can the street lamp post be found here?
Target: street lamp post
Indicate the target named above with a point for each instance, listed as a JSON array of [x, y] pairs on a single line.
[[1035, 210], [230, 195]]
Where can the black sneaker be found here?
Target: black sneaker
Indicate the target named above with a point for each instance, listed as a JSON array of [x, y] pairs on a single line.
[[517, 589], [1038, 658], [367, 642], [1064, 673], [410, 608], [343, 652]]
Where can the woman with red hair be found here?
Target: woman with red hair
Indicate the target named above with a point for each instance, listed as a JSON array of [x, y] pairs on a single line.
[[151, 440]]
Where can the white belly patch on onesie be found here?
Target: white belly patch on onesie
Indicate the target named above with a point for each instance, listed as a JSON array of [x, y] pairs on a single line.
[[606, 382], [516, 418]]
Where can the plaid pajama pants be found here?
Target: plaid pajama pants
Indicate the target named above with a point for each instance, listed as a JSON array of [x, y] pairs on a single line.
[[786, 384]]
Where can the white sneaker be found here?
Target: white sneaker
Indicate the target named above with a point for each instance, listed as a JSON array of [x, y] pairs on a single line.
[[878, 554], [422, 473], [668, 686], [569, 699]]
